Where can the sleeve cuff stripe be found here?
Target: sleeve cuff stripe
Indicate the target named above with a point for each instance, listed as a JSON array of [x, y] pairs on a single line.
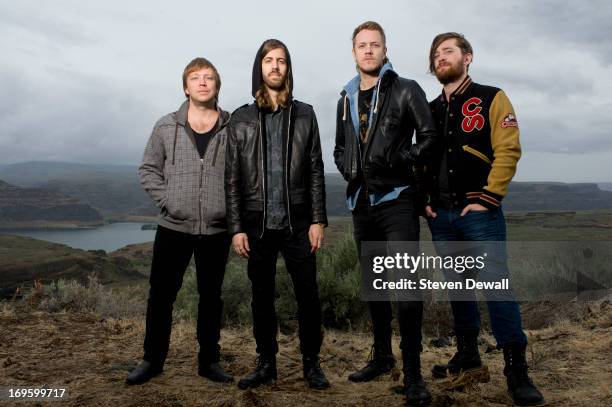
[[489, 199]]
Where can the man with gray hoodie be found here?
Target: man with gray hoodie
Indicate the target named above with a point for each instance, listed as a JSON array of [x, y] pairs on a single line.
[[183, 172]]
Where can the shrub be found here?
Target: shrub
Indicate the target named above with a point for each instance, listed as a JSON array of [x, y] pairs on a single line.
[[338, 278], [92, 298]]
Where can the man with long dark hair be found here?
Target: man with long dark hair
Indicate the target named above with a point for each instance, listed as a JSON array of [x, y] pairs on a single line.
[[182, 170], [377, 115], [275, 194], [468, 182]]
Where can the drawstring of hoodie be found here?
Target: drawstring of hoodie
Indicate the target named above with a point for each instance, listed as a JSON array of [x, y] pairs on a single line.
[[377, 95], [375, 106], [174, 143]]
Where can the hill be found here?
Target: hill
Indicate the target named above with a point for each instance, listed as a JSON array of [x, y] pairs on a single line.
[[522, 196], [114, 190], [24, 260], [30, 206]]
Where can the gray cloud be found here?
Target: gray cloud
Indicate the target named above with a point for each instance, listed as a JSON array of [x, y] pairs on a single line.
[[584, 24], [40, 23], [95, 121], [86, 82]]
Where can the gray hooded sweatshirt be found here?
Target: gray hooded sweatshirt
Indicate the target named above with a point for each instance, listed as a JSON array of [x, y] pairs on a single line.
[[188, 189]]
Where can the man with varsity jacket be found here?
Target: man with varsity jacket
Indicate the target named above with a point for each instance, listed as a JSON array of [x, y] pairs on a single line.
[[480, 132]]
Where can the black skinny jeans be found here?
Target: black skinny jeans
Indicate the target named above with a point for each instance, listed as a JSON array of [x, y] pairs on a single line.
[[395, 220], [301, 266], [172, 253]]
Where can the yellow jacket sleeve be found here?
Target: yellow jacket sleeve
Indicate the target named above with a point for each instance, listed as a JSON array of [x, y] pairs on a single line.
[[506, 150]]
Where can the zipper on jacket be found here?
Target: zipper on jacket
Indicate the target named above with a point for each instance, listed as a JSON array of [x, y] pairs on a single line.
[[369, 133], [216, 151], [174, 142], [263, 179], [287, 171], [200, 194], [361, 158]]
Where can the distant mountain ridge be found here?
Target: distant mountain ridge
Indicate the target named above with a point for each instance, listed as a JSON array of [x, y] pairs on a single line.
[[20, 206], [114, 190], [33, 173]]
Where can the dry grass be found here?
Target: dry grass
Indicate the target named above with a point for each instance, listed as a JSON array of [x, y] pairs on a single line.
[[90, 356]]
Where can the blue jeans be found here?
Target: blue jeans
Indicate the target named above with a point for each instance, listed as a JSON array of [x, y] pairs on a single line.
[[489, 225]]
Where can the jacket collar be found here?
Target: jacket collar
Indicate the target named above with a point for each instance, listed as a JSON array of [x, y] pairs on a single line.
[[352, 86], [460, 90], [350, 94]]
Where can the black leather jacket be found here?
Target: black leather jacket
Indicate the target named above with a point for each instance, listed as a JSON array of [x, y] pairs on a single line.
[[401, 109], [245, 170]]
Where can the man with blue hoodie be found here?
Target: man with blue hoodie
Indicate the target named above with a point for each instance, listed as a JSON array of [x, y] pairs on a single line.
[[377, 116]]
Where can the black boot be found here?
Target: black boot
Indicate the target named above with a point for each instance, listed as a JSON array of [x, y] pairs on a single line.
[[264, 373], [314, 374], [414, 386], [520, 386], [466, 358], [143, 373], [382, 362], [214, 372]]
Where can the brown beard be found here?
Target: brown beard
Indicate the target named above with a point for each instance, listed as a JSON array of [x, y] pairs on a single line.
[[450, 74], [280, 85]]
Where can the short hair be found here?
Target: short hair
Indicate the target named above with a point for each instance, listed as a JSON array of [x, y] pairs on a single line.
[[201, 63], [463, 44], [369, 25]]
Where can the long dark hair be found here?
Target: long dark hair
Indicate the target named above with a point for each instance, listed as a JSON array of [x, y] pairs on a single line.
[[284, 97]]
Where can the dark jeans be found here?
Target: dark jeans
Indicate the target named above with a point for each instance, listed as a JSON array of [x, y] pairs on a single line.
[[301, 266], [395, 220], [172, 253], [490, 225]]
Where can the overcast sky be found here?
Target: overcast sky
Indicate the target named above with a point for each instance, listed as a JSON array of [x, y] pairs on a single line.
[[84, 81]]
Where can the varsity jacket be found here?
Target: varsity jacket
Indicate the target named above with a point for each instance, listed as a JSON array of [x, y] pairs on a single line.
[[481, 141]]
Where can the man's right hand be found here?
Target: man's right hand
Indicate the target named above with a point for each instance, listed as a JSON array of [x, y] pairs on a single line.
[[240, 242], [430, 212]]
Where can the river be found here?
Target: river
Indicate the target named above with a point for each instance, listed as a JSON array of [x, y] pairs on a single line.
[[108, 237]]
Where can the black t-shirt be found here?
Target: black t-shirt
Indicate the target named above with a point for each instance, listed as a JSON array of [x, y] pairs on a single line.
[[203, 139], [364, 105]]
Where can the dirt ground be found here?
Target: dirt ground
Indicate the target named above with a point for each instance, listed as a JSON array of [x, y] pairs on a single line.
[[90, 357]]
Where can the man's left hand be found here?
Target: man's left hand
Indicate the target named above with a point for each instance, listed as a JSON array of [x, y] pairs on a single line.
[[315, 235], [473, 207]]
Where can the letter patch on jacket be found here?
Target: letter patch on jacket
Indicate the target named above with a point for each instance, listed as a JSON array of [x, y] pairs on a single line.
[[472, 118], [509, 121]]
